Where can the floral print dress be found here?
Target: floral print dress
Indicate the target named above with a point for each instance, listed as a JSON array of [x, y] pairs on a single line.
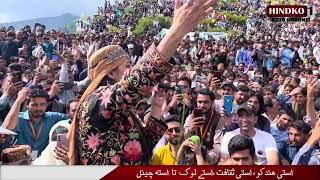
[[109, 132]]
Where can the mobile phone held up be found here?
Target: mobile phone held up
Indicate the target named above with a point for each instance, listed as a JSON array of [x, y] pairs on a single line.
[[179, 89], [66, 86], [197, 112], [62, 140], [16, 77], [227, 104]]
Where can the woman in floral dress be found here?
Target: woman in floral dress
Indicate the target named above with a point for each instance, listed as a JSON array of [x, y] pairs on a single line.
[[105, 130]]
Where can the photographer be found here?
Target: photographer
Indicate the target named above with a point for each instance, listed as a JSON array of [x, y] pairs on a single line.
[[207, 123], [181, 102]]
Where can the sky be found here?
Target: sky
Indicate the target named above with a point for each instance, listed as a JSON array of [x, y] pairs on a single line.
[[15, 10]]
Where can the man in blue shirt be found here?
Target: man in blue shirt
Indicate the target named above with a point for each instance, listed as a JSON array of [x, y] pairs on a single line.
[[279, 130], [247, 57], [241, 54], [286, 55], [32, 126], [298, 136]]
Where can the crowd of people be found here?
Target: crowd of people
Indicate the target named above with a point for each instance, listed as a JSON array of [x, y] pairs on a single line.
[[99, 98]]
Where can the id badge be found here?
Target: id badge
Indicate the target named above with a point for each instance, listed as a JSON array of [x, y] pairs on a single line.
[[34, 154]]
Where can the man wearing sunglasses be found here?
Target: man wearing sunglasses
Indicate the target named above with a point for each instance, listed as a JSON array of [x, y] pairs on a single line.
[[167, 155]]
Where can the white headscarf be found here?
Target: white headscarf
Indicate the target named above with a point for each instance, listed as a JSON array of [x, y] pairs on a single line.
[[47, 155]]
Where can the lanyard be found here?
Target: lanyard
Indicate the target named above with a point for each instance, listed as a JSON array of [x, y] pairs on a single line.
[[35, 135], [207, 127]]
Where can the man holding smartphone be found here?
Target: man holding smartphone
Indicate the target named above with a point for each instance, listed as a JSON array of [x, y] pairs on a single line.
[[11, 86], [207, 123], [181, 98]]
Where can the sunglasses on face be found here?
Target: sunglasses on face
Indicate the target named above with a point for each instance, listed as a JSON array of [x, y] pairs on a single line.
[[176, 129]]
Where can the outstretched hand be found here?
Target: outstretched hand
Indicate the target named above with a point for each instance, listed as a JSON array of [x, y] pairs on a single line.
[[187, 16]]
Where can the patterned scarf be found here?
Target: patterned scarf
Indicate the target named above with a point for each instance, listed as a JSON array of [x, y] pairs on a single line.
[[101, 63]]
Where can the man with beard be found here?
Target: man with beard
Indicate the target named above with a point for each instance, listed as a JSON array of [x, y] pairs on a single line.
[[265, 145], [207, 124], [32, 126], [298, 136], [309, 153], [167, 155], [54, 154]]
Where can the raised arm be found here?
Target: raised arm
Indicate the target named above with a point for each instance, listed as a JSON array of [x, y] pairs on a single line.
[[11, 119], [155, 63], [311, 112], [186, 17]]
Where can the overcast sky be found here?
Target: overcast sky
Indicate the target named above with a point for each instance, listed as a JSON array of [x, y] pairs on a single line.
[[15, 10]]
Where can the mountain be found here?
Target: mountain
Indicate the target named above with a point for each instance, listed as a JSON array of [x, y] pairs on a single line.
[[58, 22]]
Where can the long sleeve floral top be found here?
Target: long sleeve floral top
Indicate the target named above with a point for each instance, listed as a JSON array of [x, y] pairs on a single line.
[[110, 134]]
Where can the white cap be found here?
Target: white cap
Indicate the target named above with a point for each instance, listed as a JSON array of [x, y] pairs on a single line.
[[130, 46], [6, 131]]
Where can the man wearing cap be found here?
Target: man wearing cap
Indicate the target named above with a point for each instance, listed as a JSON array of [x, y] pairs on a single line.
[[132, 56], [265, 145]]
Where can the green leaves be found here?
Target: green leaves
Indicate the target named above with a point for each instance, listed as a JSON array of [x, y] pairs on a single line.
[[235, 18], [216, 29], [113, 29], [147, 22]]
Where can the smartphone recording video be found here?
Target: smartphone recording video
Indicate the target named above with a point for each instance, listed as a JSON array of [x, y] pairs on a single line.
[[227, 104], [62, 140], [197, 112]]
